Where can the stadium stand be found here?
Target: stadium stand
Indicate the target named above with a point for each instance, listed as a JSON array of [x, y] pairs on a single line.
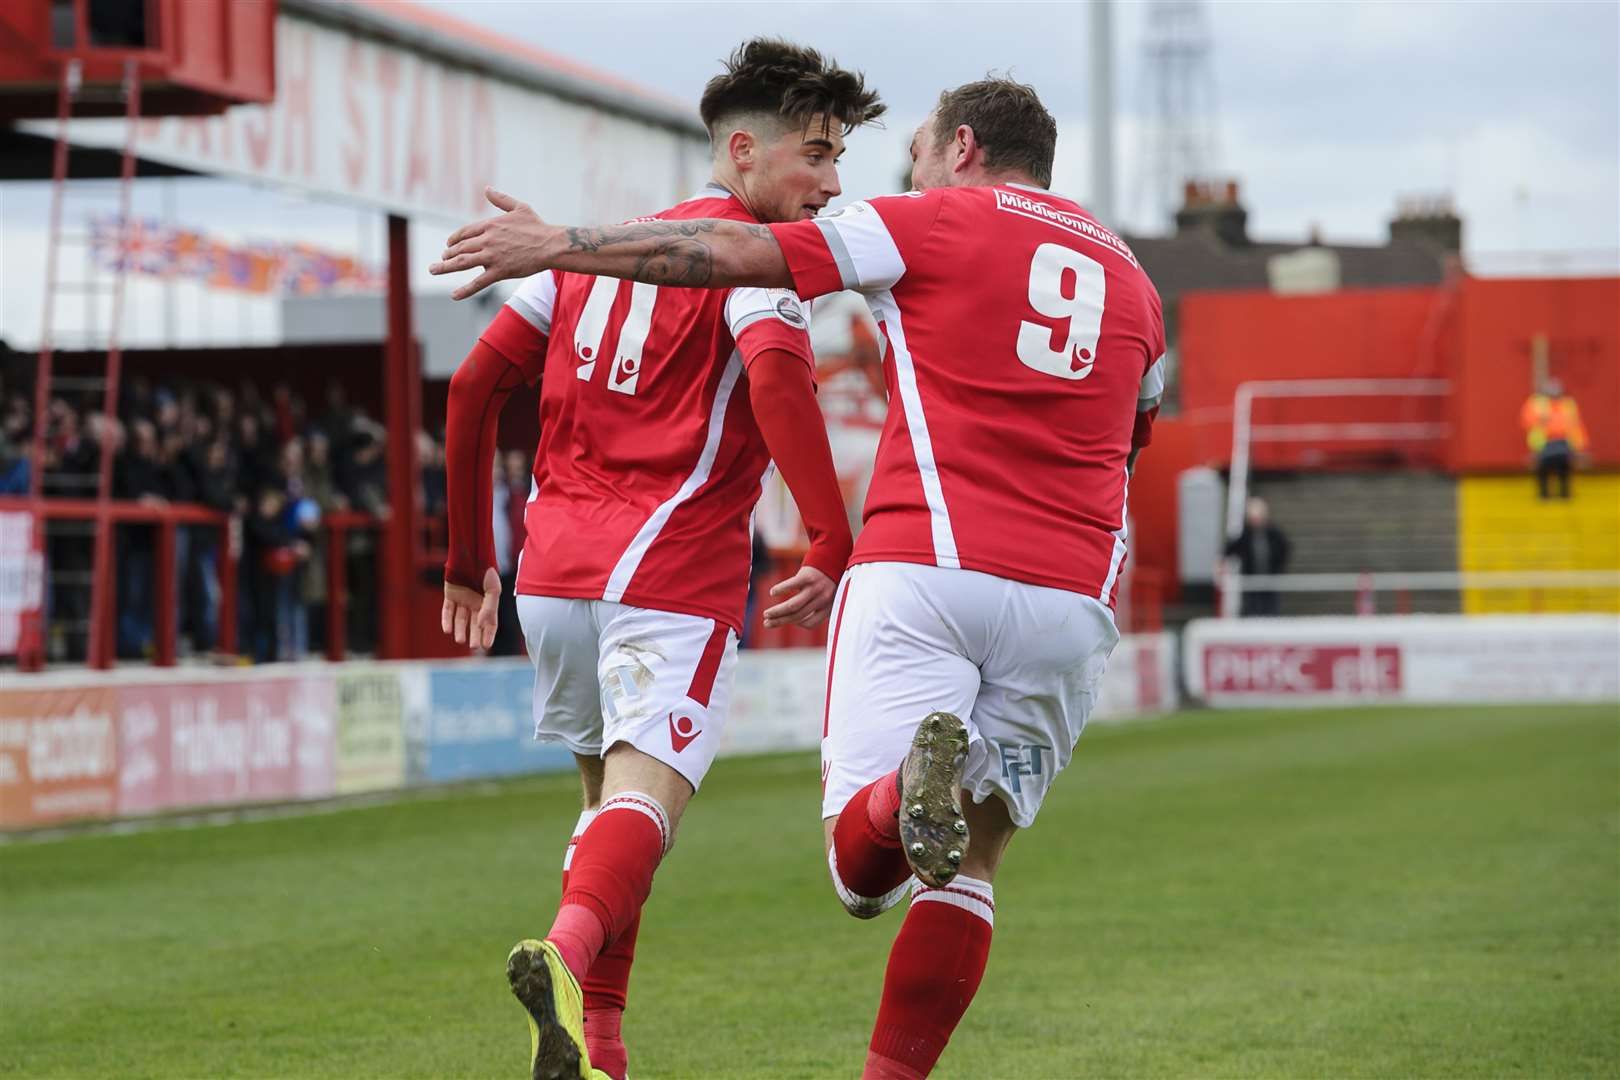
[[1366, 522]]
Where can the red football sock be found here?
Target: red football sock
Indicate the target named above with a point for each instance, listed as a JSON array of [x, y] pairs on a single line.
[[610, 877], [607, 983], [934, 970], [883, 805], [603, 1040], [606, 986], [866, 859], [584, 822]]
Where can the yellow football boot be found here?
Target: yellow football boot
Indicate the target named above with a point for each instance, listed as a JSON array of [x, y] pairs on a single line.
[[550, 994]]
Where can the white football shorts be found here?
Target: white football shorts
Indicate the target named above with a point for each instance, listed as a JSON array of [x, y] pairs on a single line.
[[1019, 663], [607, 673]]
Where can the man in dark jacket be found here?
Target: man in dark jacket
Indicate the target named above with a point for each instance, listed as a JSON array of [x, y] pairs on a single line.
[[141, 475], [1261, 548]]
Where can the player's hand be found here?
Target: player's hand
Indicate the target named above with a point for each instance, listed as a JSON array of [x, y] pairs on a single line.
[[512, 245], [470, 616], [810, 597]]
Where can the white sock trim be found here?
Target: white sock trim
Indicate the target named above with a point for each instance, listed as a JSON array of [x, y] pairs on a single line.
[[641, 803], [970, 894], [585, 819], [863, 907]]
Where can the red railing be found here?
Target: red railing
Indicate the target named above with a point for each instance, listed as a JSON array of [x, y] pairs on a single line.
[[166, 519]]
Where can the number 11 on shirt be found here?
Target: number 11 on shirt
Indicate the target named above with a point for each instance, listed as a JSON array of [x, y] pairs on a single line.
[[625, 374]]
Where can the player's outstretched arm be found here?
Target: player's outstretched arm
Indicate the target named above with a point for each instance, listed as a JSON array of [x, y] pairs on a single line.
[[705, 254]]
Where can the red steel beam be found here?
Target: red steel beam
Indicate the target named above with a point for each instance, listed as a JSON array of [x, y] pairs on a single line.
[[166, 619], [402, 407]]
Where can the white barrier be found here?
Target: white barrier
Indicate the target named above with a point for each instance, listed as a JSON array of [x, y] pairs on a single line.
[[1141, 678], [1417, 658]]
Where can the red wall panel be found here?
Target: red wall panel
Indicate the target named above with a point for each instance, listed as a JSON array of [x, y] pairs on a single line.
[[1177, 446], [1235, 337], [1492, 364]]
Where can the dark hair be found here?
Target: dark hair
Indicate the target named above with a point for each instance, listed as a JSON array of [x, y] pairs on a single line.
[[777, 78], [1009, 121]]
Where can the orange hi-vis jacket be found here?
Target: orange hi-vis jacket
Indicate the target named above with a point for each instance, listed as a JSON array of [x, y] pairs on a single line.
[[1547, 419]]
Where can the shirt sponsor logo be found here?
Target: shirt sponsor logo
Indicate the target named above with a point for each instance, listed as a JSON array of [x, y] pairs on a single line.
[[1023, 206]]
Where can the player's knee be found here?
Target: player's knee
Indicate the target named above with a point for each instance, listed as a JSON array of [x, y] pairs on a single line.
[[856, 904], [862, 907]]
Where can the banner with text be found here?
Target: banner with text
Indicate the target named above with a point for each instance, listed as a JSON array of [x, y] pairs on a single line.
[[224, 742], [1420, 658], [365, 120], [58, 755]]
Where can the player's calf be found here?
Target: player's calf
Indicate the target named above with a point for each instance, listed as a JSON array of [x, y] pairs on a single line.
[[869, 874], [935, 967]]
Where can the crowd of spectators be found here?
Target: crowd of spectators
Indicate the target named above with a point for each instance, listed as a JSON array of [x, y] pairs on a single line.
[[273, 464]]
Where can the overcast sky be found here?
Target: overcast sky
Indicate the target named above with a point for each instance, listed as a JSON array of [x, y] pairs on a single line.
[[1326, 113]]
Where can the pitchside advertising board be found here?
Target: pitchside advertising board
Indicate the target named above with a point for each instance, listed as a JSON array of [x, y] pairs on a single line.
[[480, 723], [223, 743], [22, 577], [1416, 658], [80, 746]]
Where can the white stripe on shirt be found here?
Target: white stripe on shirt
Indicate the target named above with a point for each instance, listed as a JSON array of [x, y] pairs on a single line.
[[630, 561], [887, 312]]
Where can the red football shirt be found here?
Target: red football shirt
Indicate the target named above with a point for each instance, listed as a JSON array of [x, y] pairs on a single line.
[[650, 461], [1021, 340]]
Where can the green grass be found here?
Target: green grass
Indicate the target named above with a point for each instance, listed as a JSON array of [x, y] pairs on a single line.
[[1368, 892]]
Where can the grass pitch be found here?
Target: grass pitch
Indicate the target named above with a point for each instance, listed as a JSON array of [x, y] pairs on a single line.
[[1367, 892]]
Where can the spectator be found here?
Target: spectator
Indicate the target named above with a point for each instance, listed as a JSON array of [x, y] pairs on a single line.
[[255, 467], [430, 459], [271, 552], [72, 461], [511, 488], [215, 485], [1555, 435], [302, 516], [13, 464], [141, 475], [1261, 548], [16, 440]]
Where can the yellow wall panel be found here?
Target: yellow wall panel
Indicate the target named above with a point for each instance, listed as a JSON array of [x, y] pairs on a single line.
[[1502, 524]]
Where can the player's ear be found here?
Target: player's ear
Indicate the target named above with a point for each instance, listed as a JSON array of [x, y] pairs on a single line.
[[964, 148], [742, 147]]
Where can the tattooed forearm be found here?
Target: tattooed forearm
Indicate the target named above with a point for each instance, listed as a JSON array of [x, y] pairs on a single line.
[[684, 263], [594, 240], [701, 253]]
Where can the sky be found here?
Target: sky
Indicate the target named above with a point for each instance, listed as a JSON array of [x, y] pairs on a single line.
[[1326, 114]]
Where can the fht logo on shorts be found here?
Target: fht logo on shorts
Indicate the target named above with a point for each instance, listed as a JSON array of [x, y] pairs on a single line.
[[1019, 760]]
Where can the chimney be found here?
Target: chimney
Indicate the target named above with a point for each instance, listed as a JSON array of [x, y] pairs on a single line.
[[1427, 219], [1213, 207]]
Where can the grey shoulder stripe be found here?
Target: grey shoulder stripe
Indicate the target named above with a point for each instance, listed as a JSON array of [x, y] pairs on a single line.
[[840, 253]]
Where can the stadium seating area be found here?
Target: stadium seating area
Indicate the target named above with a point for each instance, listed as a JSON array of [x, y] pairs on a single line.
[[263, 457]]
